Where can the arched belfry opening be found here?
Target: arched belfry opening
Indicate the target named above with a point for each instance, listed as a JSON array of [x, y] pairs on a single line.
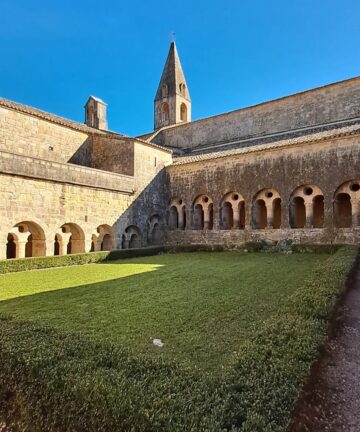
[[172, 103], [165, 113], [183, 112]]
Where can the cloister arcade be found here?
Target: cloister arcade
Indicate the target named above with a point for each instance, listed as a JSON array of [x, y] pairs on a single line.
[[305, 207], [202, 212], [154, 230], [131, 238], [266, 209], [347, 205], [177, 214], [232, 211]]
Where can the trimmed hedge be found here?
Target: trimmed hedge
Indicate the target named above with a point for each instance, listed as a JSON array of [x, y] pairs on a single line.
[[271, 367], [53, 381], [25, 264]]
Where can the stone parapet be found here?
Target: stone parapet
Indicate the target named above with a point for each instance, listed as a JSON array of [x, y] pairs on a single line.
[[30, 167]]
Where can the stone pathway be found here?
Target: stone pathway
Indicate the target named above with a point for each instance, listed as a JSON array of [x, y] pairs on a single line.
[[331, 399]]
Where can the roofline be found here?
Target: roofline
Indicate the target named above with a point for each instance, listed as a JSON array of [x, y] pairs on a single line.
[[346, 131], [46, 116], [139, 140], [250, 107], [62, 121]]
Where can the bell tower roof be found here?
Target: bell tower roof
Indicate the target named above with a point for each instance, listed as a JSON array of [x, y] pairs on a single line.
[[172, 78]]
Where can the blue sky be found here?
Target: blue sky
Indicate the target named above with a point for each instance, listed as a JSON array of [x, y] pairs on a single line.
[[235, 53]]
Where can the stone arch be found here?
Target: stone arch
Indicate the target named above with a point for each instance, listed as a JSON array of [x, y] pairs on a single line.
[[306, 207], [26, 239], [131, 237], [202, 213], [232, 211], [75, 242], [155, 235], [107, 243], [183, 112], [103, 239], [346, 204], [266, 209], [165, 112], [177, 214], [182, 88]]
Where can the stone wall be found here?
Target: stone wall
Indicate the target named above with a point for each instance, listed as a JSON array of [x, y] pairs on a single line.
[[113, 153], [42, 199], [327, 104], [29, 135], [50, 205], [323, 165]]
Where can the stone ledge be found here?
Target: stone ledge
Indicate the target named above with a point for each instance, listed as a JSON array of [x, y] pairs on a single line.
[[25, 166]]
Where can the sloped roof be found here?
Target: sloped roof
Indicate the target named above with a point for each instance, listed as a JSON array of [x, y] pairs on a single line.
[[303, 139], [172, 75]]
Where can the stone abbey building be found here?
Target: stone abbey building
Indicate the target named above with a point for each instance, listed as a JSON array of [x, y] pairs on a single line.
[[284, 169]]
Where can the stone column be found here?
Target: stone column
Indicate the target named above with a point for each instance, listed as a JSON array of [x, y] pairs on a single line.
[[216, 222], [269, 215], [206, 217], [236, 217], [285, 210], [309, 214], [180, 217], [248, 215], [21, 244], [64, 241]]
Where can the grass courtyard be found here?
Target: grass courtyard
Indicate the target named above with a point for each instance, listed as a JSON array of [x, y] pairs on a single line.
[[201, 305], [240, 331]]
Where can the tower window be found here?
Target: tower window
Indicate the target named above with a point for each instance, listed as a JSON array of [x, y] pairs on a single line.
[[183, 112], [165, 113], [164, 91], [182, 88]]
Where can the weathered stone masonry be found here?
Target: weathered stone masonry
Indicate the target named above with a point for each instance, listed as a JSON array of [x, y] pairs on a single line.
[[286, 174]]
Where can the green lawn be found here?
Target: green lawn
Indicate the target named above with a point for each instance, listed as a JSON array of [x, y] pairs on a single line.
[[202, 305]]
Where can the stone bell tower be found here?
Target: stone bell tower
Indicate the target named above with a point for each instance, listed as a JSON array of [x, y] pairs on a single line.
[[95, 113], [172, 103]]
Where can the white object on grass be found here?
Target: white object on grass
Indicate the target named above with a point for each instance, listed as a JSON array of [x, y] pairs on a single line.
[[158, 343]]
